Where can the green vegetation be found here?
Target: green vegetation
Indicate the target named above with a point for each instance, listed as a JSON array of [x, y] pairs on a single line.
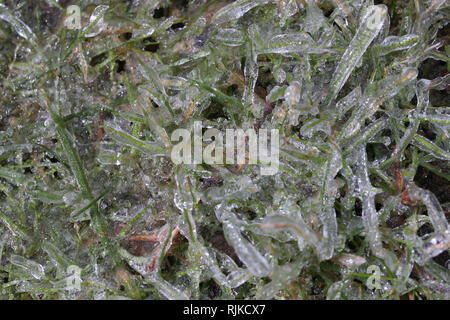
[[358, 90]]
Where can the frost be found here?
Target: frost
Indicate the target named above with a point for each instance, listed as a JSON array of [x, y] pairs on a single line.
[[351, 260], [315, 19], [314, 125], [287, 9], [435, 212], [301, 230], [282, 275], [250, 70], [349, 101], [209, 262], [236, 187], [280, 75], [328, 194]]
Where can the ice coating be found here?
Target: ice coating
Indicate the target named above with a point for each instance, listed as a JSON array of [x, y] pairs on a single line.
[[87, 179]]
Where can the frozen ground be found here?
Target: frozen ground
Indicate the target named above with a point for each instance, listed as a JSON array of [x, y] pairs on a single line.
[[92, 207]]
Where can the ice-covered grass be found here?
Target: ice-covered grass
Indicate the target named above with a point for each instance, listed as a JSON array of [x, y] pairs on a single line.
[[358, 90]]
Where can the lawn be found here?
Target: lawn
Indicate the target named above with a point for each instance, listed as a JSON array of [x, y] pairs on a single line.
[[93, 207]]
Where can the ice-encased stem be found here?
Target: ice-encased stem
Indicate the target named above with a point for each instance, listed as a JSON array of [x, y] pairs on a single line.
[[33, 268], [168, 290], [250, 70], [422, 94], [21, 28], [435, 212], [297, 225], [246, 252], [327, 195], [235, 10], [374, 96], [98, 220], [371, 25], [367, 193]]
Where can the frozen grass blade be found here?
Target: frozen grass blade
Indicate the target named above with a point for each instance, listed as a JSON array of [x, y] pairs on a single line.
[[422, 88], [394, 43], [89, 181], [374, 96], [220, 96], [248, 254], [327, 198], [235, 10], [150, 148], [19, 26], [98, 221], [372, 23]]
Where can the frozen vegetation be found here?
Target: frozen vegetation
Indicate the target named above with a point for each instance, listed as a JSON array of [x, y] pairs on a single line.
[[358, 90]]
